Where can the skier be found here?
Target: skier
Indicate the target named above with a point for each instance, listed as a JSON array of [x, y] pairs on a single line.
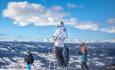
[[61, 52], [83, 53], [29, 59]]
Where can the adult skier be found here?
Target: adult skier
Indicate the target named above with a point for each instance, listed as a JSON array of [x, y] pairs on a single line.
[[61, 51]]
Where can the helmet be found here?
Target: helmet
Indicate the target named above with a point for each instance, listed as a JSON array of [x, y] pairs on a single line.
[[28, 51], [61, 24]]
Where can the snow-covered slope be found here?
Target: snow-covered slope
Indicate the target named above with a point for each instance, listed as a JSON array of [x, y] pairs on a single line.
[[11, 56]]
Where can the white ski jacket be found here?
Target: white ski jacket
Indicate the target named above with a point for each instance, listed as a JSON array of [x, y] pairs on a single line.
[[59, 37]]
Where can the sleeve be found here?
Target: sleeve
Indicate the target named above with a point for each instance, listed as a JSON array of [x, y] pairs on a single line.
[[25, 59], [55, 35]]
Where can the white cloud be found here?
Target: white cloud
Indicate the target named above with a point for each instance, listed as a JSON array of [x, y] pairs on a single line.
[[24, 13], [108, 30], [56, 8], [87, 26], [84, 25], [111, 28], [70, 5], [111, 21]]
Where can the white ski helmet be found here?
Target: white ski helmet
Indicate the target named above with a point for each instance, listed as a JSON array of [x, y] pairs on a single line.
[[61, 24]]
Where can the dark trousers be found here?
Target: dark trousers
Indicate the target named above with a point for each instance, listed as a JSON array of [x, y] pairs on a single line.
[[59, 56], [84, 66]]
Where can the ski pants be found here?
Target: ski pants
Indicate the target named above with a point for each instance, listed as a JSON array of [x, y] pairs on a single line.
[[28, 66], [84, 66], [61, 54]]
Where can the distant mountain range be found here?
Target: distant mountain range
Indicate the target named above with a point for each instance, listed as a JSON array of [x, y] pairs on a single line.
[[67, 41]]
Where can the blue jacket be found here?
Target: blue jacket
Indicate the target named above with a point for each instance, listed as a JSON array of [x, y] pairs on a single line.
[[84, 58]]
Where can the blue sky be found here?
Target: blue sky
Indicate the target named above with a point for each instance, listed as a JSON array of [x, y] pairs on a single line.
[[37, 19]]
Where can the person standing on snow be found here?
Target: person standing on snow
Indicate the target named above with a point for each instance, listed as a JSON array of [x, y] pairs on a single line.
[[29, 59], [84, 60], [60, 50]]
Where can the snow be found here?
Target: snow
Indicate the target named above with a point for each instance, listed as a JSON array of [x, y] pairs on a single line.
[[99, 63], [11, 57]]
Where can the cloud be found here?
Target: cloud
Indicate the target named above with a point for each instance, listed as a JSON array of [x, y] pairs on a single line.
[[108, 30], [70, 5], [84, 25], [87, 26], [111, 28], [24, 13], [56, 8], [111, 21]]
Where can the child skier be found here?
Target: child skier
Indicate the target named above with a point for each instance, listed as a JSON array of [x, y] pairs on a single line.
[[83, 54], [29, 59]]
